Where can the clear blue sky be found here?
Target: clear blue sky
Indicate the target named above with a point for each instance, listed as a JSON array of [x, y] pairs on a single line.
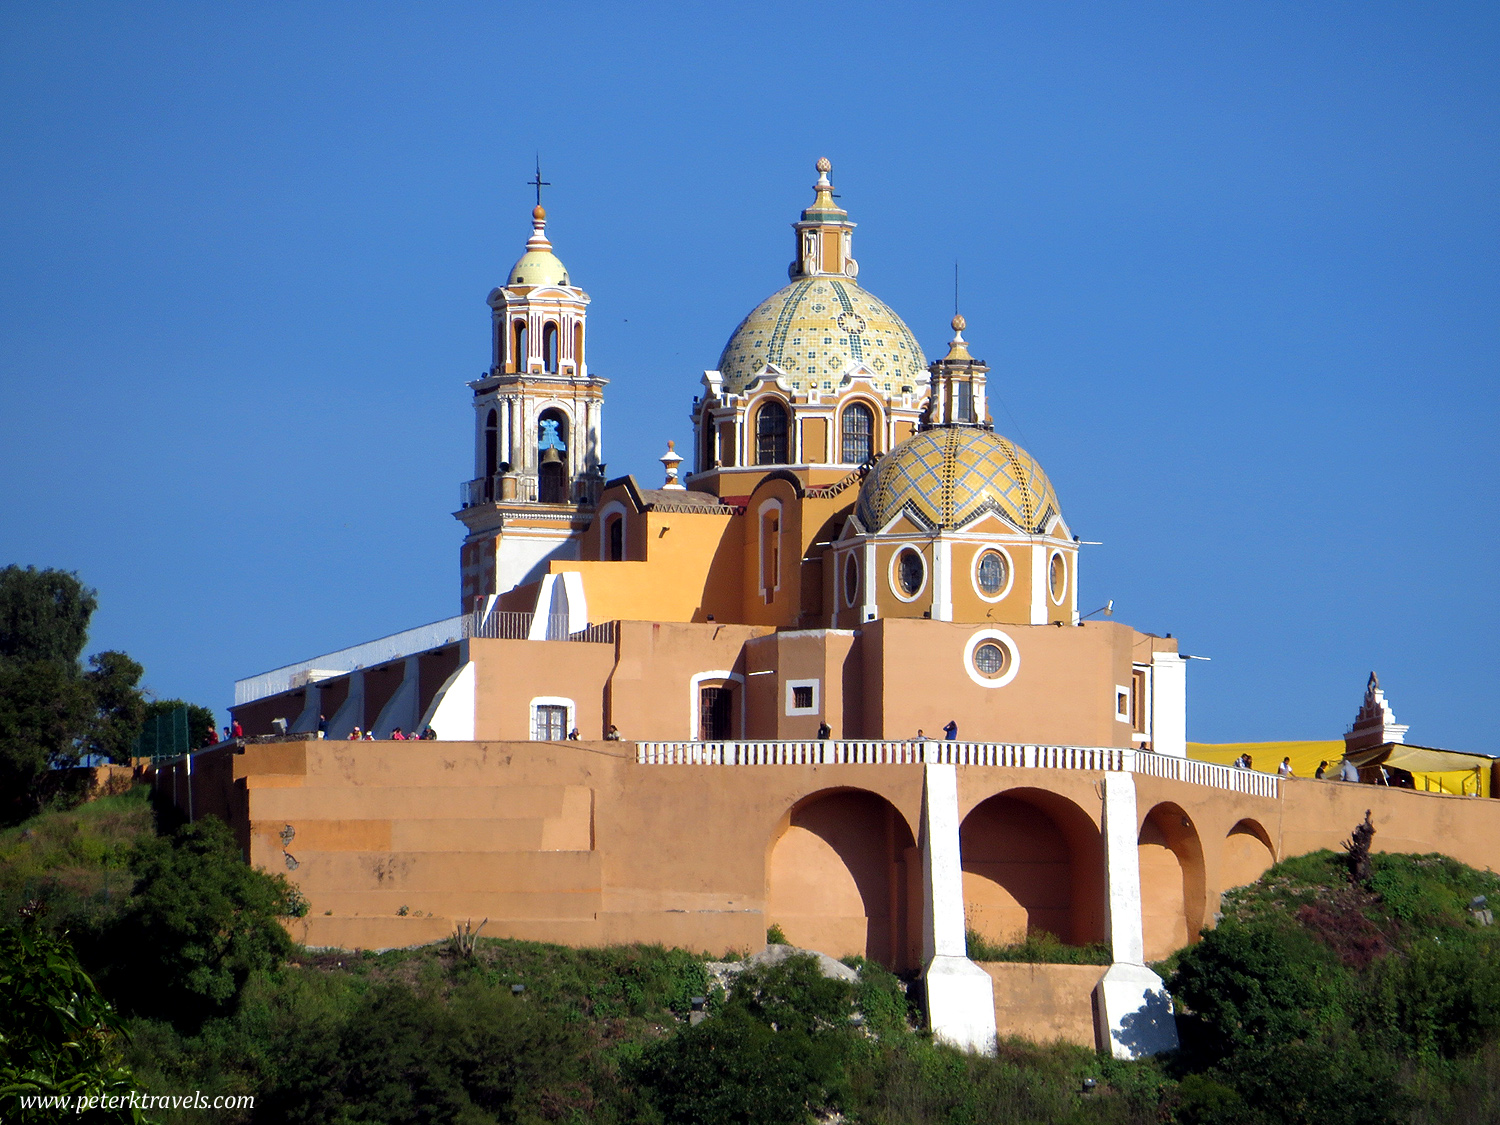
[[1236, 269]]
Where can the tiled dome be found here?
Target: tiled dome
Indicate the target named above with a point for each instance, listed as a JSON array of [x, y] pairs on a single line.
[[947, 477], [814, 329]]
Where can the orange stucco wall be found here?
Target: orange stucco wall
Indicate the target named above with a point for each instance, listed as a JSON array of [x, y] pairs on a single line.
[[576, 842]]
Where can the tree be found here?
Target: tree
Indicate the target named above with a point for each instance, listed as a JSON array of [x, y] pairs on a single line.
[[60, 1037], [44, 615], [44, 710], [119, 707], [201, 921]]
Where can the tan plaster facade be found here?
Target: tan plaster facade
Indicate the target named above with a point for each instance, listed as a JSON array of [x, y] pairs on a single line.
[[576, 842]]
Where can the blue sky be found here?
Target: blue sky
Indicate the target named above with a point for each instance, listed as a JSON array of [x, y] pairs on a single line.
[[1235, 267]]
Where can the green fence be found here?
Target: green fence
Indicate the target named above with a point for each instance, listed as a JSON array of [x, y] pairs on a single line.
[[164, 736]]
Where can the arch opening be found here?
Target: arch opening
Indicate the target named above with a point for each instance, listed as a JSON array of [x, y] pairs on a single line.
[[552, 457], [549, 347], [838, 874], [1247, 854], [1033, 862], [1172, 883], [518, 346]]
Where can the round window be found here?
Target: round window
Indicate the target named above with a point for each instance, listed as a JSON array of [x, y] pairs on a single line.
[[992, 572], [910, 572], [1057, 577], [991, 659], [851, 580]]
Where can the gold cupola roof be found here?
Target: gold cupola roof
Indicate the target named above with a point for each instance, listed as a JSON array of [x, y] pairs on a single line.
[[947, 477], [539, 265]]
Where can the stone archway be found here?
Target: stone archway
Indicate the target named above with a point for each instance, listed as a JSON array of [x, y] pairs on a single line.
[[1032, 861], [1247, 854], [837, 876], [1172, 882]]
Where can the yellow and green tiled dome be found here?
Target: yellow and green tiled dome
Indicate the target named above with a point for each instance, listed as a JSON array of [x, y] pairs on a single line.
[[948, 477], [814, 329]]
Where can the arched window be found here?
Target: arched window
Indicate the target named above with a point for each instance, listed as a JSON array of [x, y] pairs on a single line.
[[578, 348], [552, 457], [549, 347], [617, 539], [859, 429], [770, 434], [518, 346], [491, 451]]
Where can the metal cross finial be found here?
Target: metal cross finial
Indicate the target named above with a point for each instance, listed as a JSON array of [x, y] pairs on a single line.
[[539, 183]]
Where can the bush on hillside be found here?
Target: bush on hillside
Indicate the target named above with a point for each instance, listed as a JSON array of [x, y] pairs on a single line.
[[200, 921]]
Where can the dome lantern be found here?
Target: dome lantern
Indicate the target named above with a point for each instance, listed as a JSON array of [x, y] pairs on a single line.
[[958, 385], [825, 236]]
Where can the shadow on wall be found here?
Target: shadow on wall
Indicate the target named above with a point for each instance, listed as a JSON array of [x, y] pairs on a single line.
[[1033, 861], [838, 877]]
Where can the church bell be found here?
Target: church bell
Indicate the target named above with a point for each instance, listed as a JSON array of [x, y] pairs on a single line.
[[550, 456]]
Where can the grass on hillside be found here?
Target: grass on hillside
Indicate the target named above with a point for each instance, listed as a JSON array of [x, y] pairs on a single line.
[[76, 861]]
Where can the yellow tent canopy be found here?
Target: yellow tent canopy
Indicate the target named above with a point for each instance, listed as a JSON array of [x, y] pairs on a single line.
[[1266, 756], [1432, 770]]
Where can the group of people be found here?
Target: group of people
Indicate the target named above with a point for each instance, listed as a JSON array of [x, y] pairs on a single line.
[[357, 735], [611, 734], [950, 733], [1347, 771]]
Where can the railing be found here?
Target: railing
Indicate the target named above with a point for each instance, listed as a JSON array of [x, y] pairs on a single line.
[[1003, 754], [366, 655], [508, 625], [1194, 772]]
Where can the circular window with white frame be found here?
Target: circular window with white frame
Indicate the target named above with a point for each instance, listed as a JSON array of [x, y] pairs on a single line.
[[991, 658], [908, 572], [1057, 577], [851, 579], [992, 574]]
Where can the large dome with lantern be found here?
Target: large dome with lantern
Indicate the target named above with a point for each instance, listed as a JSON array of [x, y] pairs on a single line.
[[814, 329]]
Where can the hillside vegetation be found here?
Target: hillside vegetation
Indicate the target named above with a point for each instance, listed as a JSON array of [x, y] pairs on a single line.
[[1317, 999]]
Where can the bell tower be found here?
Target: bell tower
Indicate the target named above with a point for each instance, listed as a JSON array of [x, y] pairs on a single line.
[[538, 424]]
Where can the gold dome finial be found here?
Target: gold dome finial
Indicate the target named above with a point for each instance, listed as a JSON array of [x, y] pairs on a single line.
[[824, 165], [957, 348], [539, 215]]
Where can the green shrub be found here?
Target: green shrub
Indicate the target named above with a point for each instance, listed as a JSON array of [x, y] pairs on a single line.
[[201, 921], [775, 935], [1257, 984]]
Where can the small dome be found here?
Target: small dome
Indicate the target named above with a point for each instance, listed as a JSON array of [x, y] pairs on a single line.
[[813, 329], [948, 477], [538, 267]]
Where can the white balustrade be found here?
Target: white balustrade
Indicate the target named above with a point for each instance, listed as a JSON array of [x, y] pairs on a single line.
[[1005, 755]]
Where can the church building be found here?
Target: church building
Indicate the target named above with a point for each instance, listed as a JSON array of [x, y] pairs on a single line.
[[827, 672]]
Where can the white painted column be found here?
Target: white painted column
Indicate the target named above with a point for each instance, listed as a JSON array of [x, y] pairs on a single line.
[[942, 579], [401, 709], [1169, 704], [1039, 583], [1132, 1011], [352, 713], [451, 713], [869, 607], [960, 995]]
